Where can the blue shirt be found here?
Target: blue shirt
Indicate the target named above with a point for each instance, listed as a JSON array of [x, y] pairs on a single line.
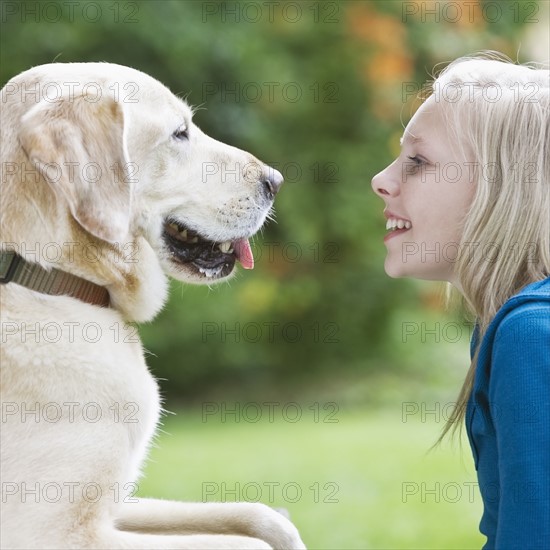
[[508, 422]]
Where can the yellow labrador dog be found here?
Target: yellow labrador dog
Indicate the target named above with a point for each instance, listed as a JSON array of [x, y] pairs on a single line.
[[107, 187]]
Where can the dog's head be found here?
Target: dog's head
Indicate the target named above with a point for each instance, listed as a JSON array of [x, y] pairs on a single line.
[[124, 158]]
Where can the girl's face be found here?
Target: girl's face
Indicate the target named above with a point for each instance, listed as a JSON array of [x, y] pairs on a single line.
[[427, 190]]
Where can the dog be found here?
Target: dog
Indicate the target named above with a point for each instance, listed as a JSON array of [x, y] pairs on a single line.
[[108, 188]]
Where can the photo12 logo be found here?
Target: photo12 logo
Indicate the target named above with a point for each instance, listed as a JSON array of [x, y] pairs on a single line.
[[69, 412], [270, 492], [271, 92], [271, 411], [271, 12], [71, 11], [292, 172], [469, 11], [52, 492], [271, 332]]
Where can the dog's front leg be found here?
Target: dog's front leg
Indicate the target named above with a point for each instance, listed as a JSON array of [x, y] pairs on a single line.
[[171, 517]]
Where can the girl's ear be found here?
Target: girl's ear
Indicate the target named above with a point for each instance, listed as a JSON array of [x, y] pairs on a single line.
[[78, 146]]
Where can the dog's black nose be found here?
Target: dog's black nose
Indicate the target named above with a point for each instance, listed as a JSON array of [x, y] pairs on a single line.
[[273, 181]]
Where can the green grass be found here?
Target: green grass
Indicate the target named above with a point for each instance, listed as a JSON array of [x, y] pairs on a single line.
[[357, 477]]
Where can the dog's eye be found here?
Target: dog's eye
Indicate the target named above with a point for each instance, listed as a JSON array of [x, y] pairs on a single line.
[[181, 134]]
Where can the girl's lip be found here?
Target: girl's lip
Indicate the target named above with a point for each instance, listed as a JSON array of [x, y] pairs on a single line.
[[394, 233], [388, 215]]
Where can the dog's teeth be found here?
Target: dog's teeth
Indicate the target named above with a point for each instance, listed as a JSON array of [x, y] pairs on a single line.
[[193, 240], [210, 272], [174, 226], [225, 247], [183, 234], [230, 251]]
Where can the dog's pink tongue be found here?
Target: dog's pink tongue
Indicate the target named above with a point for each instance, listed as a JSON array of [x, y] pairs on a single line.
[[243, 252]]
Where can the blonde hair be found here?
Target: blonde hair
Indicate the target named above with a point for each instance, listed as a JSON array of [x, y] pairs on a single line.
[[500, 112]]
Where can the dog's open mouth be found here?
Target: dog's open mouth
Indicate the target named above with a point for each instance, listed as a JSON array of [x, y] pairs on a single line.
[[211, 259]]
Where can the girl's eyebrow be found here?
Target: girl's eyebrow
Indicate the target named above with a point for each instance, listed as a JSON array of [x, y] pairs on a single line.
[[414, 139]]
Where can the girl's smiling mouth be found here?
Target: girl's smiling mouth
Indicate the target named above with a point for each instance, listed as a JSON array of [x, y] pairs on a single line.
[[396, 225]]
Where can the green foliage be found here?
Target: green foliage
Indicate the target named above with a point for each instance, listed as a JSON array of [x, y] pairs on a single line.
[[320, 99]]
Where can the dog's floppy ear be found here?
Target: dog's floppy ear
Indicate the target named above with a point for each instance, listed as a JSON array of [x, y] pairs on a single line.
[[78, 145]]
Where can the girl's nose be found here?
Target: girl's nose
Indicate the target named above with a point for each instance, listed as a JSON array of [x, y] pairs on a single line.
[[384, 185]]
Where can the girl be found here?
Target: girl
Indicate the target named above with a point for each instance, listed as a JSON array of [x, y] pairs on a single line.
[[468, 202]]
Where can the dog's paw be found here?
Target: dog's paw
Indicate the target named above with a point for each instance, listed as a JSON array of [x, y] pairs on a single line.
[[275, 529]]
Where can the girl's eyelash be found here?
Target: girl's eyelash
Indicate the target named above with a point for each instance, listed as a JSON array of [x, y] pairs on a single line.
[[416, 159]]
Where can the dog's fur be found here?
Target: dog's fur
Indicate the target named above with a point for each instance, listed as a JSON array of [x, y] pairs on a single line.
[[65, 479]]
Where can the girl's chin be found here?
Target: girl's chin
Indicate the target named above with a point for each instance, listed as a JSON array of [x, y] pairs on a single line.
[[397, 269]]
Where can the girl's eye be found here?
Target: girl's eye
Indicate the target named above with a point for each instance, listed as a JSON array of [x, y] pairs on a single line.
[[181, 134]]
